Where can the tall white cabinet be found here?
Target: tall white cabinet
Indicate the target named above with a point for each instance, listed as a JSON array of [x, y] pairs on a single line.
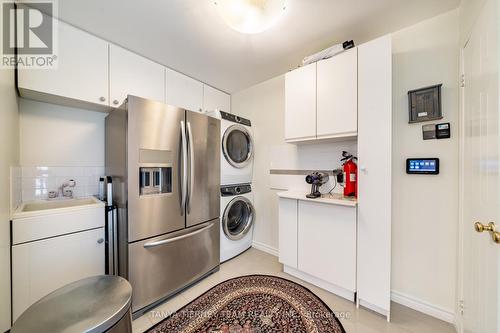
[[348, 96], [374, 176]]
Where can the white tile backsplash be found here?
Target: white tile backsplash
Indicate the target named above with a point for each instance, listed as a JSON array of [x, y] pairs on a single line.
[[34, 182]]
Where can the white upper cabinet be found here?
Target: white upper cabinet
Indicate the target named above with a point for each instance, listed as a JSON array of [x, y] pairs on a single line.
[[183, 91], [82, 69], [131, 74], [215, 99], [300, 104], [337, 96]]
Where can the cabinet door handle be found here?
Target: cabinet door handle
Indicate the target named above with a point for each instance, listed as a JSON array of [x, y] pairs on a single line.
[[102, 99], [116, 102], [100, 240]]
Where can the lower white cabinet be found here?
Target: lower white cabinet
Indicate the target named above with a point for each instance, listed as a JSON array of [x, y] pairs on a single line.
[[42, 266], [317, 243], [288, 232], [327, 243]]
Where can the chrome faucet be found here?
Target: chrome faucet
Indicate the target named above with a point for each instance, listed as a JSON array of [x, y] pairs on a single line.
[[65, 191]]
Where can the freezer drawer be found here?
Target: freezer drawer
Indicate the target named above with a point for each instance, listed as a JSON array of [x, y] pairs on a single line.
[[160, 266]]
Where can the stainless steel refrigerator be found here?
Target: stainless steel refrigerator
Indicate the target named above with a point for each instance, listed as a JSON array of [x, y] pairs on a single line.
[[165, 167]]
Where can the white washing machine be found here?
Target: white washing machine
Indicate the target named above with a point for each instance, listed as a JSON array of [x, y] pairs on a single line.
[[237, 220], [237, 149]]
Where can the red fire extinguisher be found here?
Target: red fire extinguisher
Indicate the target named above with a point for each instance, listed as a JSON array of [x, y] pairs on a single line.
[[350, 175]]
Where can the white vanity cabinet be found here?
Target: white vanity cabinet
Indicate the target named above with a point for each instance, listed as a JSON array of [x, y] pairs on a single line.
[[215, 99], [131, 74], [43, 266], [183, 91], [54, 247], [81, 73], [317, 241]]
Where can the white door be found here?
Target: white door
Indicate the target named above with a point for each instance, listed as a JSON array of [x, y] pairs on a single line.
[[215, 99], [183, 91], [300, 104], [40, 267], [480, 176], [338, 95], [82, 70], [131, 74]]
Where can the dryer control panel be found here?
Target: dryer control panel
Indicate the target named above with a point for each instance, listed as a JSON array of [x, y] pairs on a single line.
[[235, 190], [235, 119]]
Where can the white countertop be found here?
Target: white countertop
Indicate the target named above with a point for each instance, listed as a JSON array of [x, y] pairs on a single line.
[[332, 199]]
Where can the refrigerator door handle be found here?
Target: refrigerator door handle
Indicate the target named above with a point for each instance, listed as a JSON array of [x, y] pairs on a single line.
[[191, 166], [111, 242], [174, 239], [115, 240], [184, 168]]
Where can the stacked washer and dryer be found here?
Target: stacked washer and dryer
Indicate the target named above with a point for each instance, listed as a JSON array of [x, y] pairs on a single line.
[[237, 209]]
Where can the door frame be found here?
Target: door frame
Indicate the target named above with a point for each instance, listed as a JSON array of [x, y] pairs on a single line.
[[460, 243]]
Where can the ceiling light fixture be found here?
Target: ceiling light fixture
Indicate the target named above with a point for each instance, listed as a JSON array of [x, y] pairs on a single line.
[[250, 16]]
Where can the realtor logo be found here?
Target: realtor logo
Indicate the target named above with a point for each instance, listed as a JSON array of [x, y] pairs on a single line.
[[28, 34]]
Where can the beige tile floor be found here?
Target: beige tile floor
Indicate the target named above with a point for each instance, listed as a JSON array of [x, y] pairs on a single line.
[[404, 320]]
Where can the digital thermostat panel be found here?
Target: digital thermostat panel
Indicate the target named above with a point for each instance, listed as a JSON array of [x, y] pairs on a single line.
[[422, 166]]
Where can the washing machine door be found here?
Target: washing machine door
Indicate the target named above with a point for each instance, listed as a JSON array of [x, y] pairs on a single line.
[[237, 146], [238, 218]]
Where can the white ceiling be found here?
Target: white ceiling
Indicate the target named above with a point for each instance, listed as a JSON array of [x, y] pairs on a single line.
[[189, 36]]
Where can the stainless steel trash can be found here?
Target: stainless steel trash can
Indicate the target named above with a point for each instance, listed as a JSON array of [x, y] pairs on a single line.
[[94, 305]]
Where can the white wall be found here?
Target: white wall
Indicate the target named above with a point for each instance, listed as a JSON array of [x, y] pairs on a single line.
[[53, 135], [469, 11], [425, 208], [9, 156], [264, 105]]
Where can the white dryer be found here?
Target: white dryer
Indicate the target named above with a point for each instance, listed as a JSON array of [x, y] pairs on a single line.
[[237, 220], [237, 149]]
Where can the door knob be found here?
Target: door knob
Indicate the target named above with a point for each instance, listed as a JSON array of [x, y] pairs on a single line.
[[484, 227], [100, 240], [491, 228]]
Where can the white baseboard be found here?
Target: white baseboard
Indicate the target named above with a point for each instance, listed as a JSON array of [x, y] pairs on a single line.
[[334, 289], [266, 248], [424, 307]]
